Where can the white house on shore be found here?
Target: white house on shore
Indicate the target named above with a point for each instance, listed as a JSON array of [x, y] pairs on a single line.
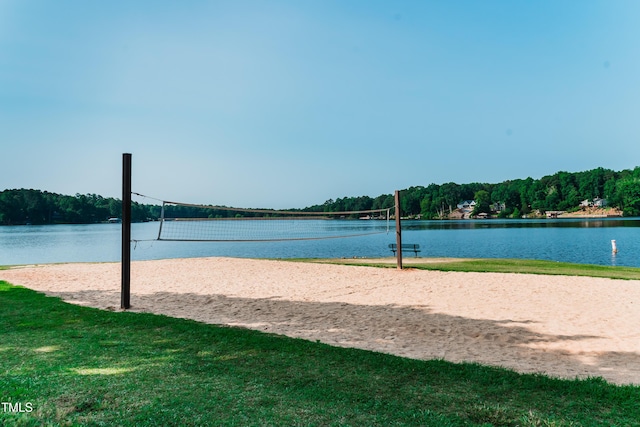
[[595, 203], [467, 205], [465, 208]]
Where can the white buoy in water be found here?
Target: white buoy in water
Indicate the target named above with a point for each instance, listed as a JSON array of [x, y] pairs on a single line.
[[614, 248]]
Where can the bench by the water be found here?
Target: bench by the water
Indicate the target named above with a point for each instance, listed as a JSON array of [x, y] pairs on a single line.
[[405, 247]]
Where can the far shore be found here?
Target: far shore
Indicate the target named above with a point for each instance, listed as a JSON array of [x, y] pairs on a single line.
[[586, 213]]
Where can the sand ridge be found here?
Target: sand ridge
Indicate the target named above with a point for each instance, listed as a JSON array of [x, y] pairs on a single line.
[[561, 326]]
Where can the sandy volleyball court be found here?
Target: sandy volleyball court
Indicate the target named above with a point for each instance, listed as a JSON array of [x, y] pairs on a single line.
[[561, 326]]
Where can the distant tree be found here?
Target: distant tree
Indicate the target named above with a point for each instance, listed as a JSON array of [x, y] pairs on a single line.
[[383, 201], [552, 200], [450, 195], [571, 200], [410, 200], [629, 194], [483, 202]]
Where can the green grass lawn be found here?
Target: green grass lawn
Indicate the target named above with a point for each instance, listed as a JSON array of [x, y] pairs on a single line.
[[75, 365], [496, 265]]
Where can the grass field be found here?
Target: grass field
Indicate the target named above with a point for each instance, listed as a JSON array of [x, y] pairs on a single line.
[[496, 265], [72, 365]]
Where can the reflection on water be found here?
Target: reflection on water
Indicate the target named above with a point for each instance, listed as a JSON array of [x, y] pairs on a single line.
[[567, 240], [614, 259]]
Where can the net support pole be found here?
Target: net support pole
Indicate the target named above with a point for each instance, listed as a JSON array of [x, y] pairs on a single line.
[[398, 232], [125, 292]]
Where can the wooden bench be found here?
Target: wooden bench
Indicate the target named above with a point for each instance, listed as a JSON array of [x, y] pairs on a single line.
[[405, 247]]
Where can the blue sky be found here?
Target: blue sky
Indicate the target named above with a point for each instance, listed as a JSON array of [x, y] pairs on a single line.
[[289, 103]]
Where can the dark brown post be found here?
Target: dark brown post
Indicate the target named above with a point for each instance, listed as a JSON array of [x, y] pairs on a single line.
[[125, 292], [398, 232]]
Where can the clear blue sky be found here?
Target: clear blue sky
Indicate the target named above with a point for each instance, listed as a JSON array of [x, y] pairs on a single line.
[[289, 103]]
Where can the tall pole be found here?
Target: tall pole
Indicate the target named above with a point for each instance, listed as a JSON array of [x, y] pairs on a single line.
[[125, 292], [398, 231]]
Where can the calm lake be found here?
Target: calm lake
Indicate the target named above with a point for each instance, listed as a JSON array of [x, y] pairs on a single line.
[[585, 241]]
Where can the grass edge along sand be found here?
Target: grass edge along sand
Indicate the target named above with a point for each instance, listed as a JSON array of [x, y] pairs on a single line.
[[491, 265], [76, 365]]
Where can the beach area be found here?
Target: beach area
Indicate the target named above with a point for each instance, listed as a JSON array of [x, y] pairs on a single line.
[[561, 326]]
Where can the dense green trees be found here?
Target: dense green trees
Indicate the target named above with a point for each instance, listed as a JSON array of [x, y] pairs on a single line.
[[561, 191], [41, 207], [629, 196], [483, 202]]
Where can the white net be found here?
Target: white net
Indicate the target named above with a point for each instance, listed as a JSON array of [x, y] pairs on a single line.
[[186, 222]]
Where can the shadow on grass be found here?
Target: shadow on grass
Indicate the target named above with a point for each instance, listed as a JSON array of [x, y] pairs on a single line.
[[80, 366], [414, 332]]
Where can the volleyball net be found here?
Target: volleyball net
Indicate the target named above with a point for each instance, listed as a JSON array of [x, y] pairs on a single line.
[[209, 223]]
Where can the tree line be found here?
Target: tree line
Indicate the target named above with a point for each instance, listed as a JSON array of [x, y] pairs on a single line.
[[562, 191], [41, 207]]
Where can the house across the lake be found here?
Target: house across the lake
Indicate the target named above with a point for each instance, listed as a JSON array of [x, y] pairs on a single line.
[[467, 205], [465, 208], [595, 203]]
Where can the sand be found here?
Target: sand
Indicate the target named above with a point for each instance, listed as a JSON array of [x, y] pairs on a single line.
[[566, 327]]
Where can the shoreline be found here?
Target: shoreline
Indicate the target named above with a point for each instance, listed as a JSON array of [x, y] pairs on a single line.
[[561, 326]]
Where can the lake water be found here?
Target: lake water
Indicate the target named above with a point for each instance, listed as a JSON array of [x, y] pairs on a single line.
[[585, 241]]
